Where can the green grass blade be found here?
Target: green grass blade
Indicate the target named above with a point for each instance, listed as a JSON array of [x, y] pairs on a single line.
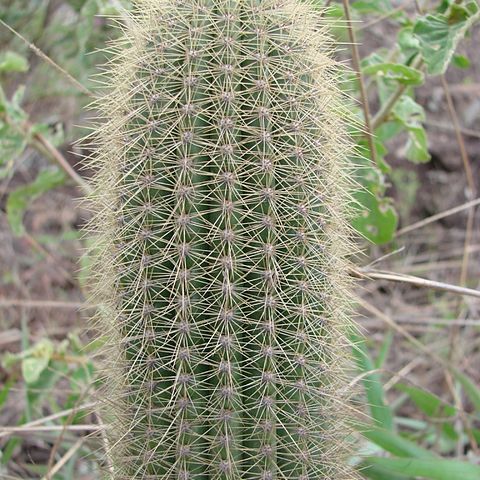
[[377, 472], [379, 410], [427, 402], [395, 444], [472, 391], [384, 349], [435, 469]]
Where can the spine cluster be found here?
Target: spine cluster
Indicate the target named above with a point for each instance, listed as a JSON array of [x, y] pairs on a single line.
[[221, 195]]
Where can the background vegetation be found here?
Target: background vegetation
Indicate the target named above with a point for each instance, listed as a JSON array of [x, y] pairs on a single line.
[[416, 76]]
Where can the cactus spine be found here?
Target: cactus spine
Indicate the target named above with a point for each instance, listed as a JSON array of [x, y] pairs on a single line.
[[221, 198]]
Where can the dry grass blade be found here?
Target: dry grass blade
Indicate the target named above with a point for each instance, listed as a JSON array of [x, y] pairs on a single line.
[[43, 144], [24, 303], [455, 330], [4, 431], [40, 143], [417, 281], [438, 216], [8, 430], [47, 59], [65, 458], [414, 341]]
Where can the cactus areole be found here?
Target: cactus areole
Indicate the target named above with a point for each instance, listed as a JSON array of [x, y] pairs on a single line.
[[221, 193]]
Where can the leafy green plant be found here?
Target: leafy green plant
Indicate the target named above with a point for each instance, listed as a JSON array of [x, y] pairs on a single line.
[[408, 458], [42, 367], [424, 48]]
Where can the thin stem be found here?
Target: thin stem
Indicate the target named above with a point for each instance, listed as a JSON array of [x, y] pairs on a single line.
[[438, 216], [40, 421], [47, 59], [36, 246], [442, 126], [50, 467], [468, 174], [54, 469], [361, 82], [37, 140], [20, 302], [455, 330], [387, 107], [41, 143], [376, 20], [413, 340], [420, 282], [49, 428]]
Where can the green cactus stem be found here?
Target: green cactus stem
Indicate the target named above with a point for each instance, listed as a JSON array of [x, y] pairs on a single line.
[[221, 195]]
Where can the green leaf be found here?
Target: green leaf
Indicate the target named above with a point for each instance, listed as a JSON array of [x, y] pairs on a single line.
[[396, 71], [9, 449], [81, 376], [416, 148], [435, 469], [20, 198], [10, 382], [12, 145], [54, 134], [439, 34], [85, 24], [12, 62], [12, 140], [395, 444], [388, 130], [375, 217], [48, 378], [36, 359], [427, 402], [408, 112], [377, 472], [375, 58], [335, 12], [461, 61], [384, 349], [372, 6], [32, 367], [12, 108], [410, 115], [408, 42], [381, 413], [9, 359], [111, 9], [472, 391]]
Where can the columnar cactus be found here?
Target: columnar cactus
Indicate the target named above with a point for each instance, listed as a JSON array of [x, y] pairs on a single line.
[[221, 191]]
